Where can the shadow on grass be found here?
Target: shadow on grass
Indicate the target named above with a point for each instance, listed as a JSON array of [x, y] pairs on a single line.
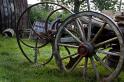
[[4, 53]]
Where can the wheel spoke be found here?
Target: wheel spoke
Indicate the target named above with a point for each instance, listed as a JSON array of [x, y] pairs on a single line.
[[89, 28], [76, 38], [81, 29], [66, 48], [98, 33], [105, 42], [68, 56], [85, 68], [68, 45], [35, 52], [95, 69], [103, 63], [108, 53], [76, 63]]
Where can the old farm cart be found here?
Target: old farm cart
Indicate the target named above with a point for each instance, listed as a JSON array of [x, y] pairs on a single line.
[[88, 40]]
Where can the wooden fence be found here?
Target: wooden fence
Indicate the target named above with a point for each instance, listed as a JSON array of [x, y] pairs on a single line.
[[10, 10]]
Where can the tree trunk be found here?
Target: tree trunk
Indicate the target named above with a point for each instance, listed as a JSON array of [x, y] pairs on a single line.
[[120, 5], [76, 6]]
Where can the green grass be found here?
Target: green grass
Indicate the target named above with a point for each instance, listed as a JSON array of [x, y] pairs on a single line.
[[15, 68]]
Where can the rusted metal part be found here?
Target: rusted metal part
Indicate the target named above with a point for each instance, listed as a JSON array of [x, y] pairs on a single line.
[[86, 50]]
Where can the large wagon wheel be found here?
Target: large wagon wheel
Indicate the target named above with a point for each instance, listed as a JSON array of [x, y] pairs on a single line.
[[89, 45], [36, 46]]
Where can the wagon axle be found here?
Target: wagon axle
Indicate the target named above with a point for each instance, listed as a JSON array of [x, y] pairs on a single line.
[[86, 50]]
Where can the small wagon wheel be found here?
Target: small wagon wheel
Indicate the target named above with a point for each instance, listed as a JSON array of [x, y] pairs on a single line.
[[96, 33], [36, 46]]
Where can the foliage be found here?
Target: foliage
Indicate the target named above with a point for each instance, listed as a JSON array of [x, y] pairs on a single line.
[[37, 14], [105, 4], [46, 0], [40, 13], [75, 5]]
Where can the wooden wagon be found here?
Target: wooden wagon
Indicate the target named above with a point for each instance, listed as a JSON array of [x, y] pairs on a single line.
[[87, 40]]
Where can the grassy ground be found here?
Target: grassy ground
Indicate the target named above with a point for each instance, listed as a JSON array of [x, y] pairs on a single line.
[[15, 68]]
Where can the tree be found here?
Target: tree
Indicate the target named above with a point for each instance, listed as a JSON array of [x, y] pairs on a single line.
[[77, 4], [120, 5], [105, 4], [74, 4]]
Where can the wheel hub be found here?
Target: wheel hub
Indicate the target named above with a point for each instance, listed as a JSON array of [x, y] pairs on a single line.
[[85, 50]]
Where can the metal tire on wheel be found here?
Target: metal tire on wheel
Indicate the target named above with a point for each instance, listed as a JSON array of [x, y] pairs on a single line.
[[36, 46]]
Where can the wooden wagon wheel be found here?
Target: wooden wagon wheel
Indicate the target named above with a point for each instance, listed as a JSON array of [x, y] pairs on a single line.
[[96, 35], [37, 48]]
